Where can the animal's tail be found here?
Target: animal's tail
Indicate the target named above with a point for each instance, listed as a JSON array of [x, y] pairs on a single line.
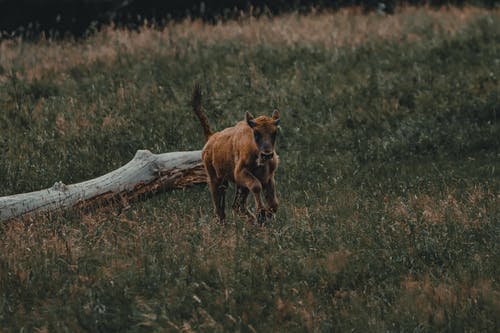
[[196, 103]]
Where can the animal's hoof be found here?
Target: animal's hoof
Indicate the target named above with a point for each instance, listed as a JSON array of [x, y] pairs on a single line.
[[270, 214], [219, 220], [273, 206], [245, 214], [251, 218], [261, 217]]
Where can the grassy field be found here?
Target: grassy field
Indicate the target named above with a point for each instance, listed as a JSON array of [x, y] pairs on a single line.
[[389, 181]]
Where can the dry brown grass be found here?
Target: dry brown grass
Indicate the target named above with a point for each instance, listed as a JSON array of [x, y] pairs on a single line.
[[437, 210], [372, 239], [436, 301], [333, 30]]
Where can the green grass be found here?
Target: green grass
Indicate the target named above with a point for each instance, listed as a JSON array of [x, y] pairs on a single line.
[[388, 184]]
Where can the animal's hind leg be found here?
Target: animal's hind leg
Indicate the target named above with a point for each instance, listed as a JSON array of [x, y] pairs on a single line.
[[240, 202], [218, 191], [240, 198], [221, 203]]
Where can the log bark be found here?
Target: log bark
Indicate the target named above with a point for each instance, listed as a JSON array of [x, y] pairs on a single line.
[[144, 175]]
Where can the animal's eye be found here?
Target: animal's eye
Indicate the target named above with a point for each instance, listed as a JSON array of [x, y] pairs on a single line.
[[257, 135]]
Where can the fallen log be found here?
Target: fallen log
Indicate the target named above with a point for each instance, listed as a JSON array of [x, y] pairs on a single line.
[[144, 175]]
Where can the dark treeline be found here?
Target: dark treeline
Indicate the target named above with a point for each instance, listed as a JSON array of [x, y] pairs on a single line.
[[57, 18]]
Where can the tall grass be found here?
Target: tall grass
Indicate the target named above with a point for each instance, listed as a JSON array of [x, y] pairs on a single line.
[[388, 182]]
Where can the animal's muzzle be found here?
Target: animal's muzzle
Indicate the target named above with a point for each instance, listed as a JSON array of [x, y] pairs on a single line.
[[266, 156]]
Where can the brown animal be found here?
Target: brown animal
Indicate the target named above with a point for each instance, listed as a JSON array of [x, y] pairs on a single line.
[[243, 154]]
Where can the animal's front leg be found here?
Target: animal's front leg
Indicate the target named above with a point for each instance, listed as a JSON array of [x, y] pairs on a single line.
[[247, 179], [270, 195]]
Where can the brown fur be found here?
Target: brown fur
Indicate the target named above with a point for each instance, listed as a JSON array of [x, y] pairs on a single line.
[[243, 154]]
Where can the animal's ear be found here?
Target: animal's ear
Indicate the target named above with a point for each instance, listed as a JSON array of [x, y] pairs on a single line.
[[250, 121], [276, 117]]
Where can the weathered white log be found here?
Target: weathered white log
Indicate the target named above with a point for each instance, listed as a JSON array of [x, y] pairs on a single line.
[[145, 174]]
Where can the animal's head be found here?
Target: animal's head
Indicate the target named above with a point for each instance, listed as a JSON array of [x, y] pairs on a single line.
[[265, 130]]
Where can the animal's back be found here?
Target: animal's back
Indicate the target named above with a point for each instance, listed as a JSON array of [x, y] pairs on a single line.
[[225, 149]]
